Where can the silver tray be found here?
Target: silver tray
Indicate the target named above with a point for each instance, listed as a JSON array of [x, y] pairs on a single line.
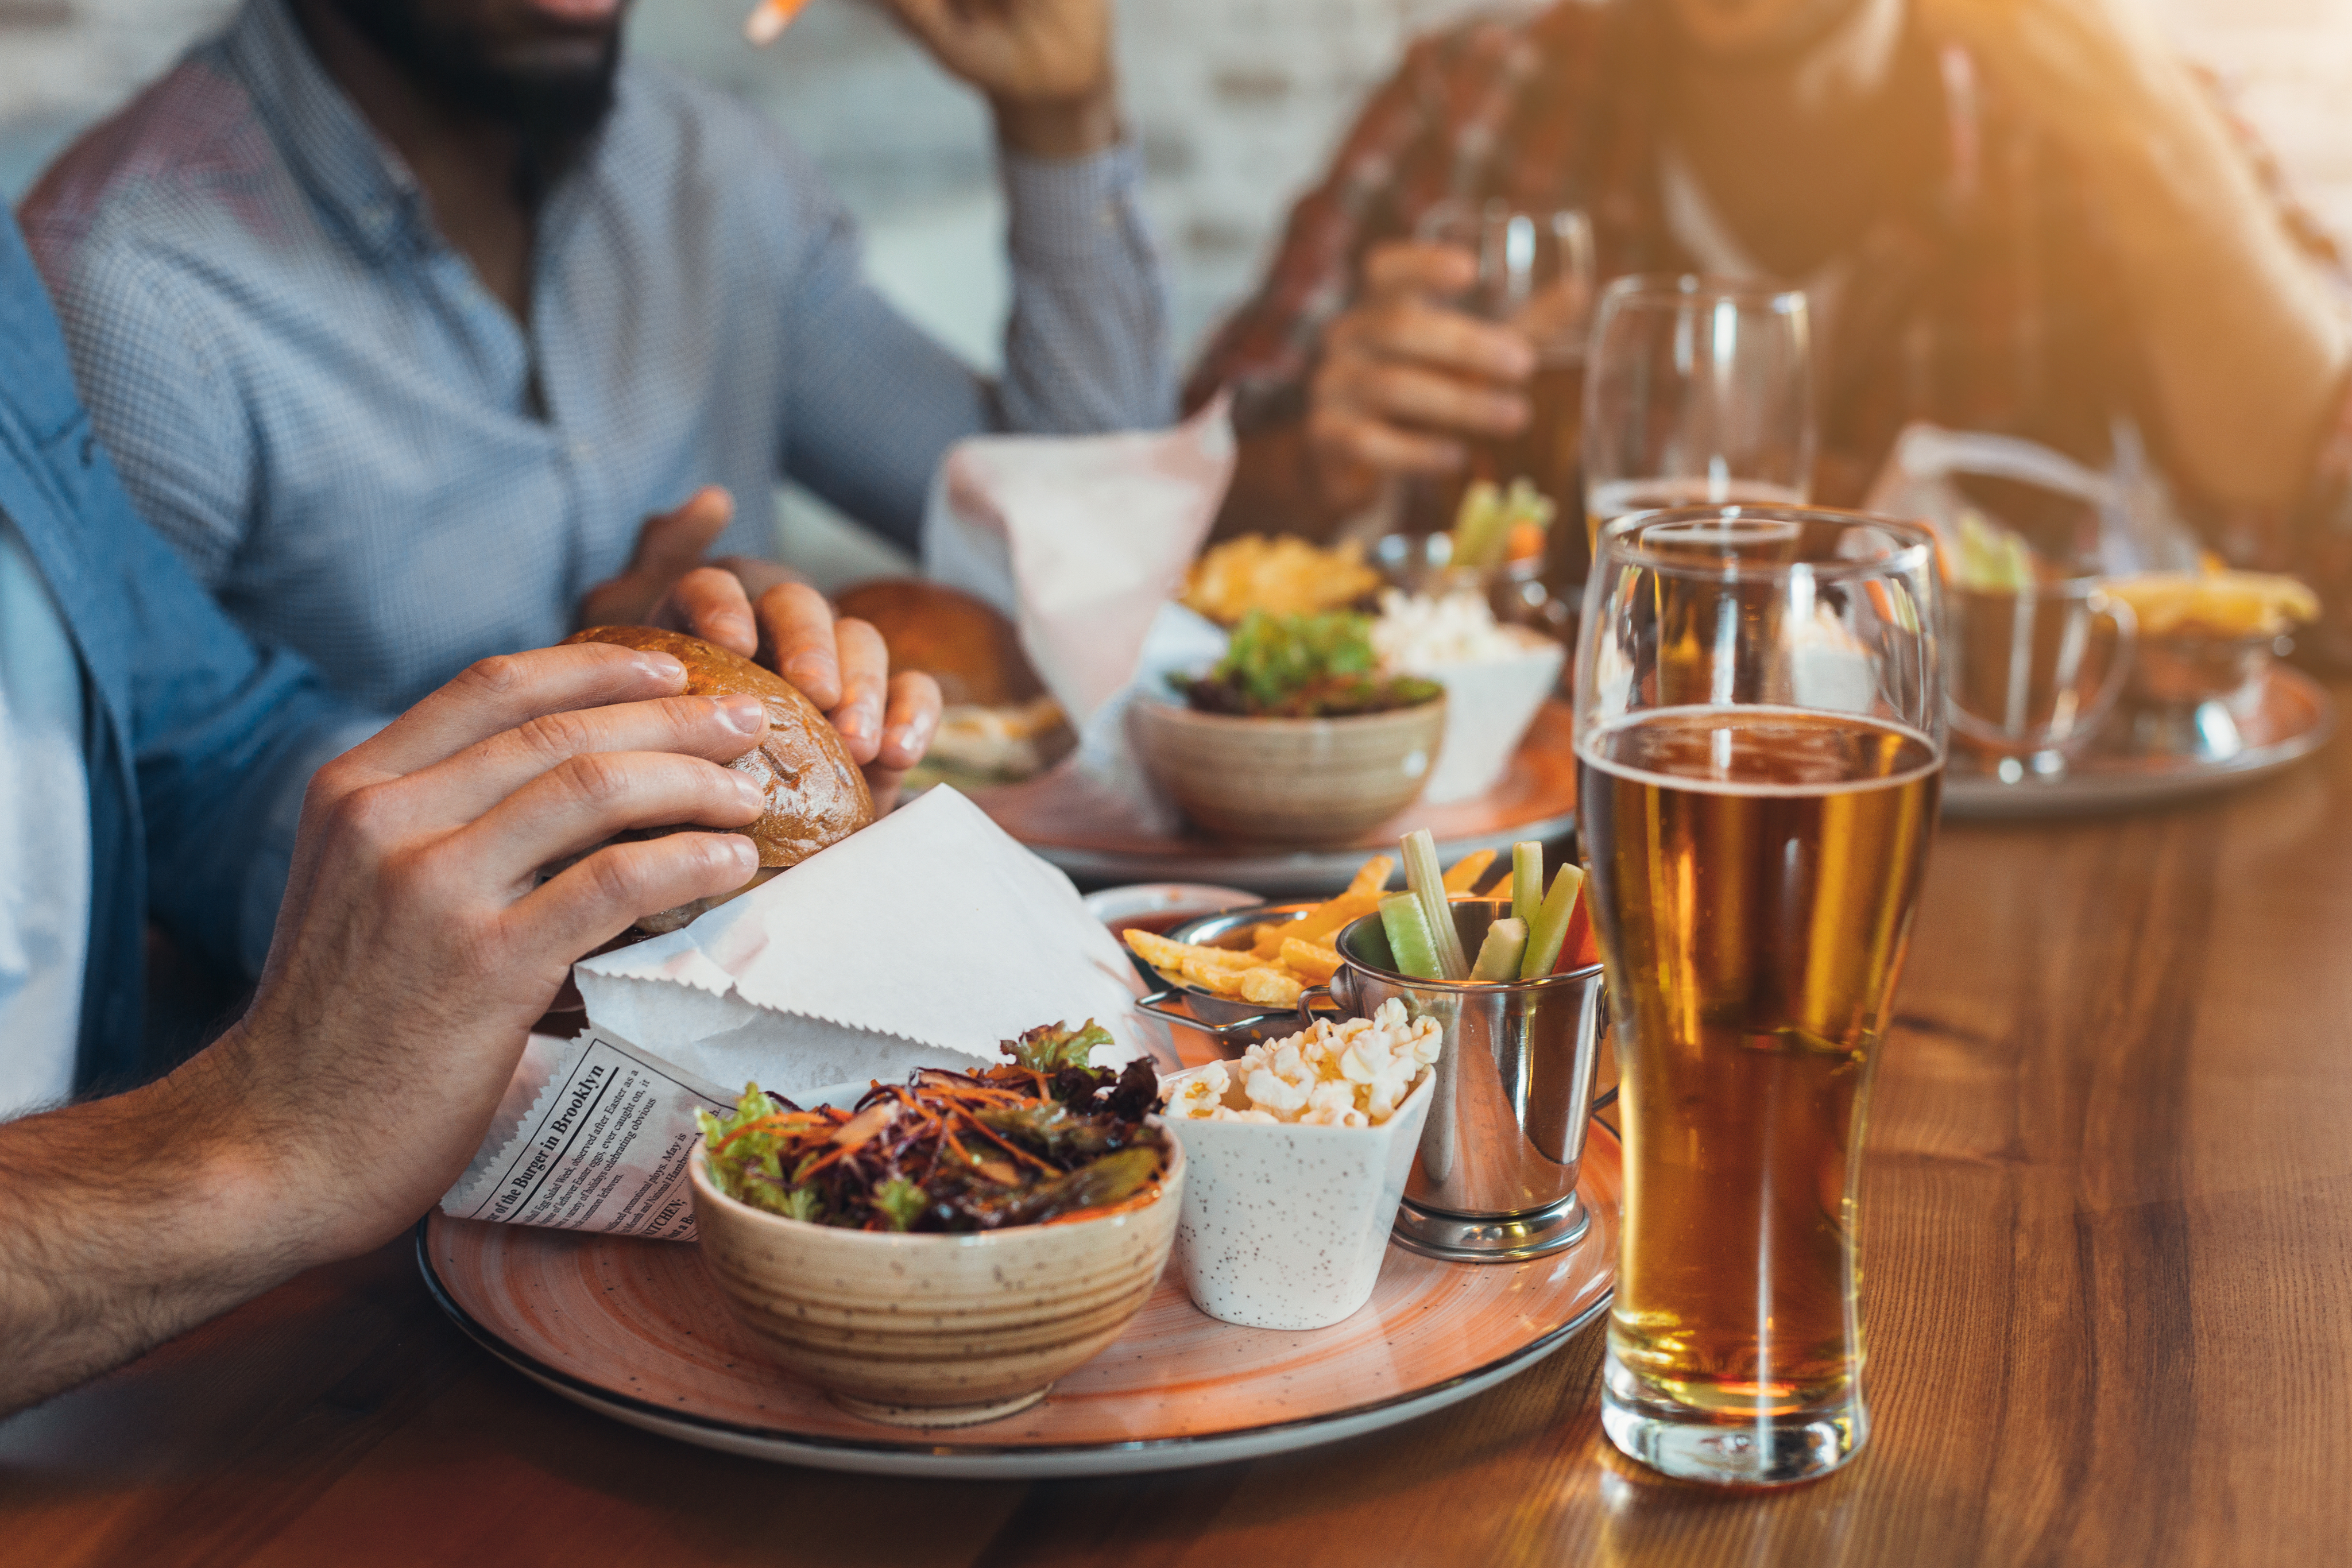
[[2149, 758]]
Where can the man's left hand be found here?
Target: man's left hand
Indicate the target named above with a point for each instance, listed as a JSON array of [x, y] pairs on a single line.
[[842, 666], [1044, 65]]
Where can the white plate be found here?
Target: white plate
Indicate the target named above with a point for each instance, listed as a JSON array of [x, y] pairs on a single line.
[[2292, 717]]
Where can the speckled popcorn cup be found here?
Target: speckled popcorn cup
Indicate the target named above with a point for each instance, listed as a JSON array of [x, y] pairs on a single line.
[[1284, 1227]]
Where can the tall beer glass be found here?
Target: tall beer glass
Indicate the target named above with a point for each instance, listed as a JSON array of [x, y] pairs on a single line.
[[1759, 738], [1699, 390]]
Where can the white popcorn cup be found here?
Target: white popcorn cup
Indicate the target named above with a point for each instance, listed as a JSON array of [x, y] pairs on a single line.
[[1284, 1225]]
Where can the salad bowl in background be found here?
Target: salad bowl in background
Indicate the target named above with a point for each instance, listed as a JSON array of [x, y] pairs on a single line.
[[1296, 736], [1289, 780]]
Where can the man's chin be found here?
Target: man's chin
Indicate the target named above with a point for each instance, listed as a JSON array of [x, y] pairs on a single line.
[[600, 15]]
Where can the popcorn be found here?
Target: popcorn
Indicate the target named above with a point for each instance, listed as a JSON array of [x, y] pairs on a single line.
[[1420, 633], [1352, 1073]]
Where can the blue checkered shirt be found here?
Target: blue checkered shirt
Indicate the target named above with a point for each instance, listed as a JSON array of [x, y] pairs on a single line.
[[363, 454]]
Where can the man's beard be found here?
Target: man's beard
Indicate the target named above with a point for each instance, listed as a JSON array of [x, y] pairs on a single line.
[[554, 111]]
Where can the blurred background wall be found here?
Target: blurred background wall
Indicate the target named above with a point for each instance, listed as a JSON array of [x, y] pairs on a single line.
[[1235, 103]]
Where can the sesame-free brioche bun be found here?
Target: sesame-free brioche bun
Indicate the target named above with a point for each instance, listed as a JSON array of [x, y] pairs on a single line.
[[959, 641], [816, 796]]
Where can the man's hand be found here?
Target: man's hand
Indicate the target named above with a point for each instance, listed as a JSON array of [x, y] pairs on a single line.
[[1044, 65], [2246, 348], [670, 545], [844, 668], [414, 947], [1404, 376], [416, 944], [671, 548]]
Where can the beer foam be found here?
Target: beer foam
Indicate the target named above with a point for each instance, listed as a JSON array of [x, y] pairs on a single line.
[[1712, 726]]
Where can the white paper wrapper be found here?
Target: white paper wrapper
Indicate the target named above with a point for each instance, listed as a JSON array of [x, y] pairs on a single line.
[[1084, 541], [1080, 539], [922, 941]]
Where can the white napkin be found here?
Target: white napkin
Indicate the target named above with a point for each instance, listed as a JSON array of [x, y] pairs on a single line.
[[931, 935], [1080, 539]]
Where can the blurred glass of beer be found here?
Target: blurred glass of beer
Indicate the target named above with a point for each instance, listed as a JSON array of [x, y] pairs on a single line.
[[1699, 390], [1759, 742]]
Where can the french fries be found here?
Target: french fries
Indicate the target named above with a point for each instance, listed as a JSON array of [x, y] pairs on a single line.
[[1315, 964], [1286, 957], [1462, 877]]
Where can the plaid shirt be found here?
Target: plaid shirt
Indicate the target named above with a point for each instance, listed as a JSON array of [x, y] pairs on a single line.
[[1981, 297], [363, 454]]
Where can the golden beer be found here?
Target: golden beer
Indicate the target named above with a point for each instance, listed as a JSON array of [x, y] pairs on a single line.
[[1754, 871]]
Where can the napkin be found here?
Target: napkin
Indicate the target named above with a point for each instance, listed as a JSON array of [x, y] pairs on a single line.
[[921, 941], [1080, 539]]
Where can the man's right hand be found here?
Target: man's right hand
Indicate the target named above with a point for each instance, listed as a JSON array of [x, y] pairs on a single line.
[[1403, 377], [416, 944]]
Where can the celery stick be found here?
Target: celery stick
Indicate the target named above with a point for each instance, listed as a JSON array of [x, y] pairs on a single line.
[[1550, 927], [1499, 953], [1480, 525], [1526, 880], [1409, 942], [1428, 885]]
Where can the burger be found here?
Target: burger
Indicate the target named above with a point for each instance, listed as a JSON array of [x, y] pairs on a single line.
[[816, 795], [997, 725]]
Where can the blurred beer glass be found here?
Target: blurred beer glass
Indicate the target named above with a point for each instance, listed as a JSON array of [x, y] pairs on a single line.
[[1700, 390], [1760, 738], [1535, 273]]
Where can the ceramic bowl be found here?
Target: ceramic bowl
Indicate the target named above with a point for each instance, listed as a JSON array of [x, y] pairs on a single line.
[[1288, 780], [1488, 708], [936, 1330], [1285, 1227]]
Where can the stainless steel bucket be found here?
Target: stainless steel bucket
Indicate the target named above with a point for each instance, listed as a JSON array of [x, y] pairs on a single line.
[[1494, 1180]]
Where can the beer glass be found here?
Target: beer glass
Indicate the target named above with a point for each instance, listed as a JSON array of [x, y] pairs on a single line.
[[1759, 741], [1698, 391], [1535, 273]]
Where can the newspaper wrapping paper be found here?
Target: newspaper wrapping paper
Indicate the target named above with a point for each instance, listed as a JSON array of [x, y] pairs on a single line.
[[1082, 542], [922, 941]]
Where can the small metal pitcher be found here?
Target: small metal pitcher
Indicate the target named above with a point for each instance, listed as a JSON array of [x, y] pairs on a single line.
[[1494, 1180]]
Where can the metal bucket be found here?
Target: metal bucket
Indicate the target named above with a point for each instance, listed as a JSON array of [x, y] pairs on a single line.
[[1494, 1180]]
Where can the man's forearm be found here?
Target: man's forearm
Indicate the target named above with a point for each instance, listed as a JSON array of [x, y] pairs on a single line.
[[126, 1221], [2242, 333], [1085, 346]]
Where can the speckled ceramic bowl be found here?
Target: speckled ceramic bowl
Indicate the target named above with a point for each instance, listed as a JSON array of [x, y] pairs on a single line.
[[1288, 780], [1285, 1227], [935, 1330]]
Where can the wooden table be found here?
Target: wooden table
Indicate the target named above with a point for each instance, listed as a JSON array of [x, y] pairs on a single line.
[[2108, 1232]]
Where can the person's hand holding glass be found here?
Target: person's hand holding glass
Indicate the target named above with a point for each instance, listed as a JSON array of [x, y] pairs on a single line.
[[1462, 359], [1698, 391], [1759, 738]]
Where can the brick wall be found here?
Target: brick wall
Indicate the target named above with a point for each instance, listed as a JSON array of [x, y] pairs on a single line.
[[1236, 101]]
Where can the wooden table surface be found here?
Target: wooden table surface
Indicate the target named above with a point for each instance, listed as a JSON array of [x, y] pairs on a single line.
[[2108, 1234]]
